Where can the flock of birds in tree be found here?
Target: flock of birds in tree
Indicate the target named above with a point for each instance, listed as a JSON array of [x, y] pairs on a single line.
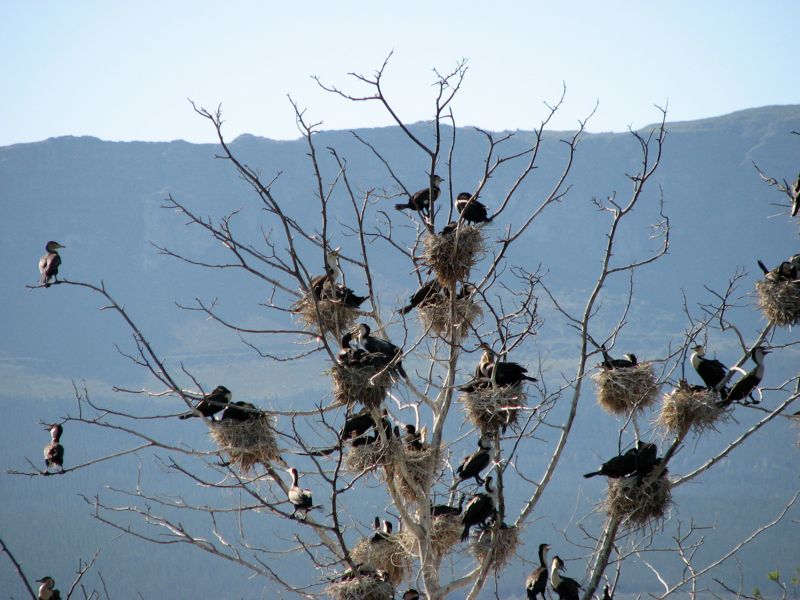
[[380, 354]]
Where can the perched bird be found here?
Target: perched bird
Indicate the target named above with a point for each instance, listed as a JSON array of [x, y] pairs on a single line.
[[47, 590], [49, 263], [796, 197], [422, 200], [324, 283], [476, 462], [536, 583], [619, 466], [646, 458], [54, 455], [414, 440], [347, 355], [357, 424], [348, 297], [299, 498], [711, 371], [745, 386], [786, 271], [411, 594], [471, 210], [607, 593], [449, 228], [376, 345], [628, 360], [445, 509], [381, 533], [429, 293], [240, 411], [503, 373], [479, 509], [565, 587], [210, 405]]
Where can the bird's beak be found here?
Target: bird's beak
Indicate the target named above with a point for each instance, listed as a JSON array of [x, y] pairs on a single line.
[[765, 351], [59, 245]]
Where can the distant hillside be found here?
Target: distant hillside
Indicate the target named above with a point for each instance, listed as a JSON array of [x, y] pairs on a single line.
[[102, 200]]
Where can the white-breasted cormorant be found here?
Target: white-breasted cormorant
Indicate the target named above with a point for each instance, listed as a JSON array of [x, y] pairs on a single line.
[[628, 360], [566, 587], [54, 451], [536, 583], [476, 462], [49, 263], [504, 373], [711, 371], [421, 200], [745, 386], [796, 197], [479, 509], [376, 345], [299, 498], [210, 405], [47, 590], [56, 430], [321, 283], [471, 210]]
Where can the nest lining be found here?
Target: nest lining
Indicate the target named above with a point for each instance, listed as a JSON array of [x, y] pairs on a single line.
[[370, 456], [685, 408], [445, 532], [362, 587], [490, 408], [501, 552], [246, 442], [779, 301], [624, 390], [334, 316], [386, 555], [436, 316], [638, 502], [414, 471], [360, 384], [452, 255]]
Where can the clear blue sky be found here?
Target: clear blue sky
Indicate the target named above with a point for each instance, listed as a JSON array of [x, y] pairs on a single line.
[[123, 70]]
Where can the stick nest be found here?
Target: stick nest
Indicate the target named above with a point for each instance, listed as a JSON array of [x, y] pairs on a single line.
[[364, 458], [501, 552], [359, 384], [624, 390], [436, 317], [636, 502], [452, 255], [362, 587], [445, 532], [334, 316], [490, 408], [686, 408], [414, 471], [779, 301], [247, 442], [386, 555]]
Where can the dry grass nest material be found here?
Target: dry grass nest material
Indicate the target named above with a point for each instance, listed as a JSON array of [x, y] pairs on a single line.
[[451, 256], [491, 408], [334, 316], [362, 587], [247, 442], [359, 384], [370, 456], [436, 317], [414, 471], [779, 301], [686, 408], [622, 391], [445, 532], [386, 555], [501, 552], [638, 502]]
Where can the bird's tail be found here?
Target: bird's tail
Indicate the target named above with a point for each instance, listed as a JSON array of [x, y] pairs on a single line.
[[401, 206], [188, 415], [320, 452], [405, 310], [592, 474], [763, 267], [533, 379], [465, 533], [399, 368]]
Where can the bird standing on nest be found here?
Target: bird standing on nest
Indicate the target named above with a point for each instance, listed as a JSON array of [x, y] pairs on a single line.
[[422, 201], [479, 509], [49, 263], [628, 360], [210, 405], [470, 209], [536, 583], [376, 345], [47, 590], [503, 373]]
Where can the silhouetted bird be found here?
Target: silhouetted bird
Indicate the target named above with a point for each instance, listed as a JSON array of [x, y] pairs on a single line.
[[210, 405], [471, 210], [421, 200], [536, 583]]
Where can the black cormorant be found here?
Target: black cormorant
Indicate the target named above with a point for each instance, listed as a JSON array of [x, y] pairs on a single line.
[[476, 462], [429, 293], [347, 355], [566, 587], [299, 498], [536, 583], [49, 263], [348, 297], [421, 200], [414, 440], [646, 458], [210, 405], [445, 509], [411, 594], [47, 590], [357, 424], [619, 466], [479, 509], [609, 363], [380, 346], [504, 373], [240, 411], [796, 197], [711, 371], [471, 210], [607, 593], [745, 386]]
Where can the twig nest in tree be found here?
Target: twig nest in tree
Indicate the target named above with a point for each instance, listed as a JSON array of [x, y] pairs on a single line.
[[361, 587], [637, 501], [623, 390], [689, 407], [414, 471], [499, 550], [435, 317], [363, 384], [779, 301], [334, 316], [387, 555], [452, 255], [367, 457], [247, 442], [445, 532], [490, 408]]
